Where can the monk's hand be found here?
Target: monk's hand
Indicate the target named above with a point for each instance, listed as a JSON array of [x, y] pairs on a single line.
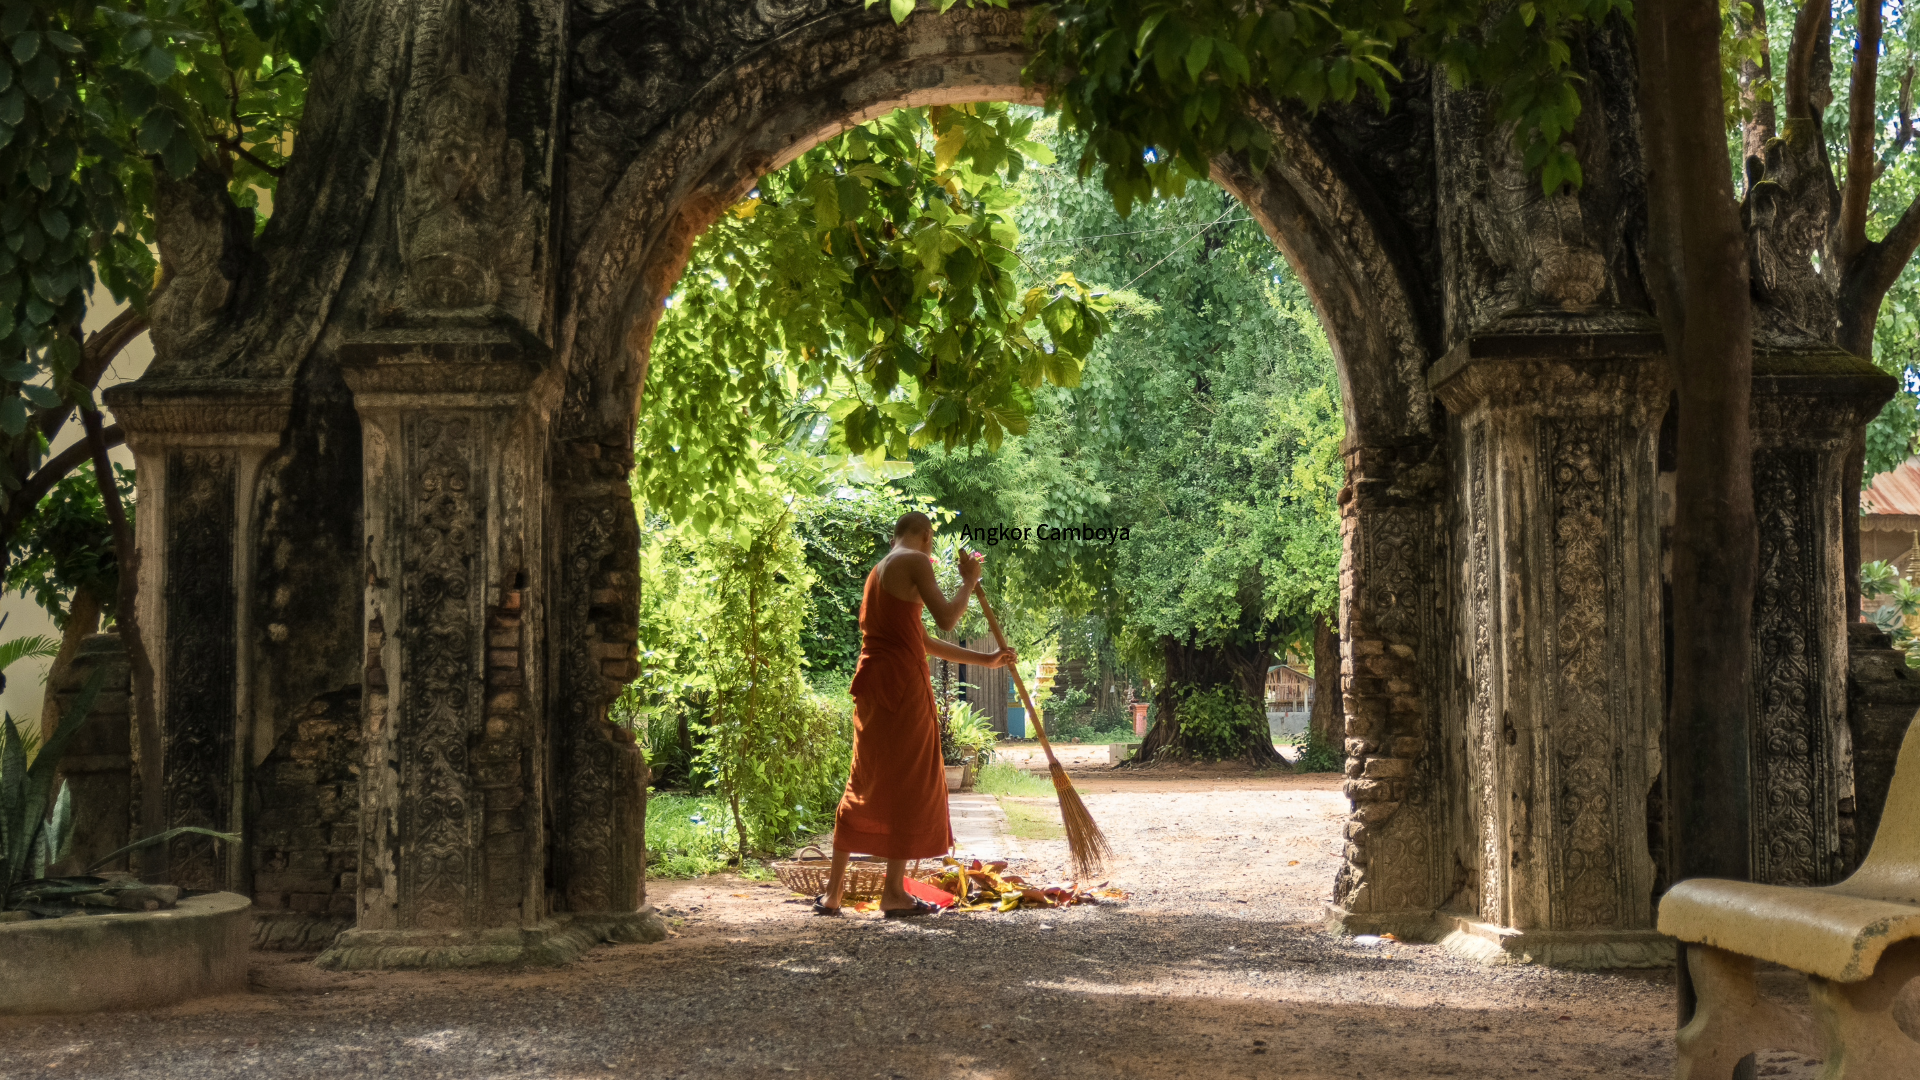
[[1006, 658], [969, 568]]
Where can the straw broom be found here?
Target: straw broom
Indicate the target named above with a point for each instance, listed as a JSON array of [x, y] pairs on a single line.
[[1085, 842]]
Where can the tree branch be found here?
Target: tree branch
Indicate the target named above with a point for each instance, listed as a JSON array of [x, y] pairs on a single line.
[[1760, 125], [1905, 135], [235, 146], [1809, 29], [102, 347], [127, 618], [1862, 166], [35, 487]]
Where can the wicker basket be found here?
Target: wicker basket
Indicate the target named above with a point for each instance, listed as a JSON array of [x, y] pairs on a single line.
[[807, 875]]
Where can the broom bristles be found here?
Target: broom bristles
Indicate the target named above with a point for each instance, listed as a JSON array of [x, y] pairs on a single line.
[[1086, 844]]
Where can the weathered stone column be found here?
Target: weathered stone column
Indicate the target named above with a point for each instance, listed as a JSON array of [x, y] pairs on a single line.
[[453, 848], [1809, 404], [1396, 871], [1558, 592], [198, 452], [98, 764], [601, 794]]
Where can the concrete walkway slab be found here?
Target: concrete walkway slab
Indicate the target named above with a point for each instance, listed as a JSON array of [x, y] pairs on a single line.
[[980, 828]]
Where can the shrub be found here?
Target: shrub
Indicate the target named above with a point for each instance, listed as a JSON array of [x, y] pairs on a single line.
[[687, 836], [971, 732], [1318, 755], [1214, 719]]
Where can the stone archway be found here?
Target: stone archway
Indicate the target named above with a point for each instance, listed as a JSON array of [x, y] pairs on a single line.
[[395, 459]]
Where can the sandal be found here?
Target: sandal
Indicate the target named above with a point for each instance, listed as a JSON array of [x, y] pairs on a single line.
[[920, 907], [820, 907]]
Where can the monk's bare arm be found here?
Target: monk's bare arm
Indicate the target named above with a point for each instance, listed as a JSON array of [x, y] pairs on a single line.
[[947, 650], [946, 611]]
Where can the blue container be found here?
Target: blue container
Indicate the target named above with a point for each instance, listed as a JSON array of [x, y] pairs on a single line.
[[1016, 722]]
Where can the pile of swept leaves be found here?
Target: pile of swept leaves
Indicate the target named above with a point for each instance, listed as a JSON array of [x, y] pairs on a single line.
[[988, 887]]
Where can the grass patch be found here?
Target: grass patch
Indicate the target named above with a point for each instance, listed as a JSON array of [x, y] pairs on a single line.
[[1029, 822], [1001, 778], [688, 836]]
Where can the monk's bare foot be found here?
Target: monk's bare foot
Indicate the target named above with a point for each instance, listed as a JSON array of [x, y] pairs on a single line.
[[896, 900]]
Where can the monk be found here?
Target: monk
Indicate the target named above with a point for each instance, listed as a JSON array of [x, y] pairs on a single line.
[[896, 801]]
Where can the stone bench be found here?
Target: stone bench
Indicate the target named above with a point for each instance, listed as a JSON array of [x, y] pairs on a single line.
[[1858, 944]]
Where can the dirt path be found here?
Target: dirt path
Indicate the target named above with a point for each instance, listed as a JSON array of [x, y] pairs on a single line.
[[1216, 967]]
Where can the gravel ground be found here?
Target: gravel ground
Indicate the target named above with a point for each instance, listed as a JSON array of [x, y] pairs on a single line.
[[1214, 967]]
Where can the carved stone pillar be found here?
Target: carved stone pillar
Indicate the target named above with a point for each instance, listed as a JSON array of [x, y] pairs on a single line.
[[601, 775], [1557, 590], [455, 785], [198, 454], [1808, 407], [1396, 871], [453, 851]]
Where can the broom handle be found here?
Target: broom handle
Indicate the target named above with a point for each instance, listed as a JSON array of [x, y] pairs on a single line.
[[1019, 683]]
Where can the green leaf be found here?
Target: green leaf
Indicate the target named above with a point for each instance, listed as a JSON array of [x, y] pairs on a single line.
[[40, 76], [161, 838], [180, 157], [159, 64], [1197, 54], [1147, 26], [13, 415], [26, 46], [66, 43], [35, 646], [156, 131], [901, 9], [43, 396]]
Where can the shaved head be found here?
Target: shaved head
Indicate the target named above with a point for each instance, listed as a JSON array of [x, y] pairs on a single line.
[[912, 524]]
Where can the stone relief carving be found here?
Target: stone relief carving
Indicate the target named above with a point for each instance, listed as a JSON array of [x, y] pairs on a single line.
[[462, 231], [1793, 804], [1580, 661], [1486, 721], [601, 853], [1393, 585], [201, 659], [588, 767], [1788, 208], [635, 61], [442, 537], [1526, 259], [206, 243]]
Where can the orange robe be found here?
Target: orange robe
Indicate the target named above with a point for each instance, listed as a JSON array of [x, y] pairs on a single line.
[[896, 801]]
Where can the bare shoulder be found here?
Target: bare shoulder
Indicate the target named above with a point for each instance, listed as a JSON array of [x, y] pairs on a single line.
[[901, 572]]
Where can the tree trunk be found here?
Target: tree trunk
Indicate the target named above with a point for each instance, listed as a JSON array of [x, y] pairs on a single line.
[[1241, 669], [83, 618], [1698, 271], [1707, 319], [1328, 722], [146, 718]]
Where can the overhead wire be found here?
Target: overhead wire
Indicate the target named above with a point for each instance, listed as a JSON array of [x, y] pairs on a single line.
[[1197, 234]]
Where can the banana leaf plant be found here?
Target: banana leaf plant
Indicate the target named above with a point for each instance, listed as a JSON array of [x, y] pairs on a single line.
[[32, 837]]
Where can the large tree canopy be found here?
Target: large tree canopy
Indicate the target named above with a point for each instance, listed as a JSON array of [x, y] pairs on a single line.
[[1207, 427], [866, 298]]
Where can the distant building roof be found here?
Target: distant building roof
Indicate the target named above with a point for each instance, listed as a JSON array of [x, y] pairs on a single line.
[[1894, 494]]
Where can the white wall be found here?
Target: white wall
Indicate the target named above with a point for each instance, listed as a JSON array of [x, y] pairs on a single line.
[[26, 681]]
